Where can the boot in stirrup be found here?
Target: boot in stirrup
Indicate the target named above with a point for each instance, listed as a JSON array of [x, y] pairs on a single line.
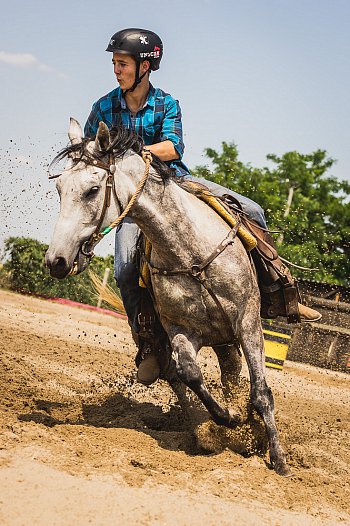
[[278, 289]]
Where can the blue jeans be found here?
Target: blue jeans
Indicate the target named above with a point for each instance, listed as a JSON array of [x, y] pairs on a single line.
[[125, 269]]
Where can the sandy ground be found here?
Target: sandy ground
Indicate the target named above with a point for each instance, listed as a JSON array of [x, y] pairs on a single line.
[[81, 443]]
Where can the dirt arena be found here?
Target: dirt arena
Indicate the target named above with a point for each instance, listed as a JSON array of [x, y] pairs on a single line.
[[81, 443]]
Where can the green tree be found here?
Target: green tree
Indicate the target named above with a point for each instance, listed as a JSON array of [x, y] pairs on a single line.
[[25, 266], [316, 229]]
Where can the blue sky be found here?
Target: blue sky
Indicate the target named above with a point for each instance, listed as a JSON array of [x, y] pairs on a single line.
[[270, 75]]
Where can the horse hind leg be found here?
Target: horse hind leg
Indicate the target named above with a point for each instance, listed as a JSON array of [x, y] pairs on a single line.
[[252, 342], [230, 362], [185, 354]]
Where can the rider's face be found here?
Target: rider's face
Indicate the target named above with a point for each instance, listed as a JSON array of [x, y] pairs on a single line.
[[124, 70]]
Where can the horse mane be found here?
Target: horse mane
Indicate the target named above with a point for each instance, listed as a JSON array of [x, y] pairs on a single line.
[[122, 140]]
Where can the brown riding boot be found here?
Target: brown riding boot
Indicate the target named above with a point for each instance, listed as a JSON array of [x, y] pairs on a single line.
[[148, 370], [308, 314], [273, 305]]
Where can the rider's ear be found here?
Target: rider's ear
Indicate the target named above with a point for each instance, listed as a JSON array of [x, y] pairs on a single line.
[[102, 137], [75, 132], [146, 65]]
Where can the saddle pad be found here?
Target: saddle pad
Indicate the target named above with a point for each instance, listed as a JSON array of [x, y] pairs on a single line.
[[248, 240]]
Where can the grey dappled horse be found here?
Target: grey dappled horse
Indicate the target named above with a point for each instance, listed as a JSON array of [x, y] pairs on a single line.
[[183, 230]]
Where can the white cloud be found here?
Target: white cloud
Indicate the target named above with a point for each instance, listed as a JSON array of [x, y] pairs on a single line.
[[26, 60]]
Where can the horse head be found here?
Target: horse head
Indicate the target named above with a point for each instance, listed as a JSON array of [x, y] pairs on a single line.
[[82, 190]]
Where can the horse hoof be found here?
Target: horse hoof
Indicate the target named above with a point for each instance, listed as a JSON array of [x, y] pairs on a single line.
[[235, 418], [283, 470], [228, 418]]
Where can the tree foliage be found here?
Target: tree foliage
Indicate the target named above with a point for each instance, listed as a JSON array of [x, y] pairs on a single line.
[[26, 270], [316, 231]]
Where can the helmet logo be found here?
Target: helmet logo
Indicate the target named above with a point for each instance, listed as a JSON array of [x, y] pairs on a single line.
[[150, 54], [143, 39]]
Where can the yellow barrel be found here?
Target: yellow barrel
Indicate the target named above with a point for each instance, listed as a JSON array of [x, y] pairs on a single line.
[[276, 346]]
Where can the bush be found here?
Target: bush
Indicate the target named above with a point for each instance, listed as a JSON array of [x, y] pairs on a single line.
[[26, 272], [5, 282]]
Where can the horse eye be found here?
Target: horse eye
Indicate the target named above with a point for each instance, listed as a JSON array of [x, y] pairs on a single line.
[[92, 192]]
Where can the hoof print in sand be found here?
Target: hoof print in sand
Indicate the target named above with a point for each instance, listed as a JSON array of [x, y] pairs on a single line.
[[247, 439]]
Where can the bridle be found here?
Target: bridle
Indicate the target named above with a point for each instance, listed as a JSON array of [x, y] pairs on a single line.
[[87, 249]]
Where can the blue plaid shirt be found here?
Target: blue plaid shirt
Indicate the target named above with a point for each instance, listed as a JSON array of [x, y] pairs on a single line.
[[159, 120]]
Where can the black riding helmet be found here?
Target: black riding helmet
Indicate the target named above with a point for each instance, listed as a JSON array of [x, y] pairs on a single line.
[[141, 44]]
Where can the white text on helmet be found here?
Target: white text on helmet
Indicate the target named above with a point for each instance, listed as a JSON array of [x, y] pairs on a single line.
[[151, 54]]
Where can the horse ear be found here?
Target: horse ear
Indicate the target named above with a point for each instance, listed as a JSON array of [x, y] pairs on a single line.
[[102, 137], [75, 132]]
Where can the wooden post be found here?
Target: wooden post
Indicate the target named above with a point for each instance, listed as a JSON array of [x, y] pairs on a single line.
[[332, 355], [287, 210], [104, 283]]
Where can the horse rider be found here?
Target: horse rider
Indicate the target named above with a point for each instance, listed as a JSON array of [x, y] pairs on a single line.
[[156, 117]]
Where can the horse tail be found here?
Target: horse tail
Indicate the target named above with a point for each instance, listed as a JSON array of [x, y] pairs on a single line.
[[106, 293]]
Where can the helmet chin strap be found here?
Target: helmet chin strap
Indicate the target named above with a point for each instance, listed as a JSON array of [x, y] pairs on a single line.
[[137, 79]]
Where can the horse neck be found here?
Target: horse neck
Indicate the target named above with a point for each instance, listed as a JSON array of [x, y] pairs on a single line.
[[162, 211]]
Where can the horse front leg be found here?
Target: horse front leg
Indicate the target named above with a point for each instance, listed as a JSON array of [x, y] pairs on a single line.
[[252, 343], [185, 355]]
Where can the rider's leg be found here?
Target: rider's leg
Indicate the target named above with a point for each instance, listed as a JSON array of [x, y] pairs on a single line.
[[278, 298], [125, 270], [127, 278]]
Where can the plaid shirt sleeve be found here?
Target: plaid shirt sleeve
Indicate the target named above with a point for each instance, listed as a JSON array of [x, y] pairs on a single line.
[[172, 126]]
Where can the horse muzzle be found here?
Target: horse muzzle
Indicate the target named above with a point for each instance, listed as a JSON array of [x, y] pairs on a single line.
[[60, 267], [82, 260]]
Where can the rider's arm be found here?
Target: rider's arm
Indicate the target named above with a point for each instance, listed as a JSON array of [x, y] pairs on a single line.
[[165, 150], [171, 145]]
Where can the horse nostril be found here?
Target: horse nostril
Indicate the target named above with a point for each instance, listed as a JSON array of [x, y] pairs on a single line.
[[58, 266], [59, 263]]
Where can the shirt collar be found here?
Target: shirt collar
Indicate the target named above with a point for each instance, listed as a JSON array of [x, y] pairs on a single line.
[[149, 101]]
